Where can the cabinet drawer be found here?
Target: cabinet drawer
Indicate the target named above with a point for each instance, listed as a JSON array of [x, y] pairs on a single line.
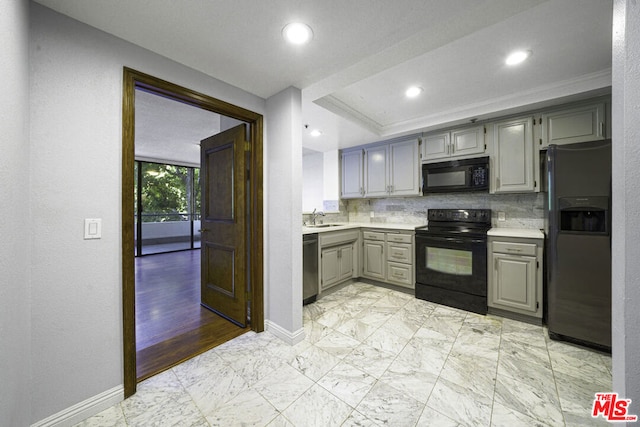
[[399, 238], [399, 273], [373, 235], [399, 252], [514, 248]]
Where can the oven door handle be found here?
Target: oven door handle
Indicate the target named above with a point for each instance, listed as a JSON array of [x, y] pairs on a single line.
[[453, 240]]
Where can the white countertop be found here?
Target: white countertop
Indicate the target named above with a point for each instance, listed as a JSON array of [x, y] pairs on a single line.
[[350, 225], [529, 233]]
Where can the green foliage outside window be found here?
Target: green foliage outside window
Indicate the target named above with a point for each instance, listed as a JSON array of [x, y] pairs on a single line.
[[169, 192]]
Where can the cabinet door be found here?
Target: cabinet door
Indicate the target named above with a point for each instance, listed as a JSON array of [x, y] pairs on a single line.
[[400, 252], [345, 257], [352, 185], [435, 146], [400, 274], [373, 260], [330, 274], [467, 141], [579, 124], [376, 171], [514, 283], [513, 156], [404, 168]]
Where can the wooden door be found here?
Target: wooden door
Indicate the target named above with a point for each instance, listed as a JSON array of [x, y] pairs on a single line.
[[224, 227]]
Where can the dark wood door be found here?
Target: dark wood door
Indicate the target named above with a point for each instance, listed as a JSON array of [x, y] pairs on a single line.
[[223, 224]]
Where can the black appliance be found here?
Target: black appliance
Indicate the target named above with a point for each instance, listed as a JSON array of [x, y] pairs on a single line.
[[579, 243], [451, 258], [309, 268], [456, 176]]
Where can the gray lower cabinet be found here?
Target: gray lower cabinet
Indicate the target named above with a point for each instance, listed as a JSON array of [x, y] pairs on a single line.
[[387, 256], [515, 275], [338, 257], [373, 259]]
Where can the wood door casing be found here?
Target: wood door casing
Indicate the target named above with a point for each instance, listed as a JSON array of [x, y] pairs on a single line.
[[223, 219], [133, 79]]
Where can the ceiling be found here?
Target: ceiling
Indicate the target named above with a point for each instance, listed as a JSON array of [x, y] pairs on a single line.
[[365, 53]]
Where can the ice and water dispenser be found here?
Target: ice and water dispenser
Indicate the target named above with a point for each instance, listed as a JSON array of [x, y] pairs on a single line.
[[584, 215]]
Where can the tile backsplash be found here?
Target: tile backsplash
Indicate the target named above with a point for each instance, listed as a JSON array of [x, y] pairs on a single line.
[[524, 210]]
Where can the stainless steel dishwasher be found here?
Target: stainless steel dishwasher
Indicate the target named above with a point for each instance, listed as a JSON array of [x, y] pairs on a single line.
[[309, 268]]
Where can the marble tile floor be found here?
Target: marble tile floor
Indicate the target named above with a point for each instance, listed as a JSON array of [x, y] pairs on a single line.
[[378, 357]]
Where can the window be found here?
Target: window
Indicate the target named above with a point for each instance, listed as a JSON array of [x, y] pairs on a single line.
[[167, 203]]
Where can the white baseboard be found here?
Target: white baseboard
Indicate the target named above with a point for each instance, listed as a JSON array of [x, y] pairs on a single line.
[[291, 338], [83, 410]]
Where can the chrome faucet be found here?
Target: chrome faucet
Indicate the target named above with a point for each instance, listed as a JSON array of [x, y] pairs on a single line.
[[315, 215]]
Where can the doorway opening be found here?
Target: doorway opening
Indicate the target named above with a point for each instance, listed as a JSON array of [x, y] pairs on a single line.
[[186, 345]]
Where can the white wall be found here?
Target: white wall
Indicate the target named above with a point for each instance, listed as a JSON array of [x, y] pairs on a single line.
[[15, 285], [76, 146], [331, 175], [626, 201], [283, 246], [312, 181]]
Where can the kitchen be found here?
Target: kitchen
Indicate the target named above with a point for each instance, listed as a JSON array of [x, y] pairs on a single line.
[[485, 153], [517, 219], [109, 315]]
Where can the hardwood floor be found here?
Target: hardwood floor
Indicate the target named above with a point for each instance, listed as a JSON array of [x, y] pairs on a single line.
[[171, 325]]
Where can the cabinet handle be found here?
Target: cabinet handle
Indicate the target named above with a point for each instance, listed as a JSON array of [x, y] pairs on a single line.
[[513, 250], [391, 189], [448, 148], [453, 148]]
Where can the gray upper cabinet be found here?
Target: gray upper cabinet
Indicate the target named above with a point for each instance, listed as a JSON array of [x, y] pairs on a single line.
[[404, 170], [456, 143], [381, 170], [376, 171], [512, 168], [352, 174], [579, 124]]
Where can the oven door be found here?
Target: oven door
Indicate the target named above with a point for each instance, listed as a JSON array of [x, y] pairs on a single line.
[[452, 263]]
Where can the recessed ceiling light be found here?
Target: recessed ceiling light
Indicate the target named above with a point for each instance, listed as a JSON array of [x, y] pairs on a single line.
[[517, 57], [315, 133], [297, 33], [413, 91]]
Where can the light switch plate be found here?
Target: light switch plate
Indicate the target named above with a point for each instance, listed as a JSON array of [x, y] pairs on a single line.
[[92, 228]]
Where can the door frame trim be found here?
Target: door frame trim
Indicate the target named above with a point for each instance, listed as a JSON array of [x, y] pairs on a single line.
[[133, 79]]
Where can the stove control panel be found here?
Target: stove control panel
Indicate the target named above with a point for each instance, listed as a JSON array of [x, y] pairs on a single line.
[[481, 216]]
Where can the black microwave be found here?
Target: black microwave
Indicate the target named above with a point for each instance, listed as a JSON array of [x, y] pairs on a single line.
[[456, 176]]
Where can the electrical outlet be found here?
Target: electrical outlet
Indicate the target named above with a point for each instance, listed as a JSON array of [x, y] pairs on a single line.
[[372, 214], [502, 216]]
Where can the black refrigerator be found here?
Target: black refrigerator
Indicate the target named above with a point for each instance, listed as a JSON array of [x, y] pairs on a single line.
[[579, 243]]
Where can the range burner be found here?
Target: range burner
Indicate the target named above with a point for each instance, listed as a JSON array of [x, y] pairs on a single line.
[[451, 258]]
